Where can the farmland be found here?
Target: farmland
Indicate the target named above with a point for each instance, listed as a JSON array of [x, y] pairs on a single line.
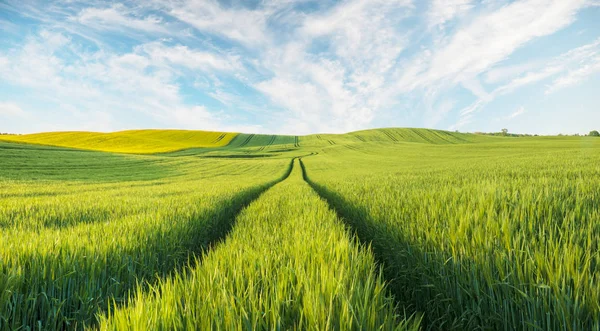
[[378, 229], [133, 141]]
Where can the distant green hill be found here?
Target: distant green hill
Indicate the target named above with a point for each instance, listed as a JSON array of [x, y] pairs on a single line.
[[388, 135], [165, 141]]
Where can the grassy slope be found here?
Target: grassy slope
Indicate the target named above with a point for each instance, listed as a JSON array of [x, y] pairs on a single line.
[[134, 141], [423, 200], [79, 228], [393, 135], [194, 142], [496, 235], [259, 142], [288, 264], [34, 162]]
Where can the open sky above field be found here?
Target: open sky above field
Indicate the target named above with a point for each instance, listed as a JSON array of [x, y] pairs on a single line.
[[297, 67]]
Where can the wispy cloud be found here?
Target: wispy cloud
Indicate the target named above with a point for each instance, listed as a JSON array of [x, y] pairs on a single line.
[[586, 60], [574, 66], [517, 113], [341, 88], [11, 109], [162, 55], [442, 11], [119, 17], [290, 66], [576, 76], [105, 85], [492, 36], [237, 23]]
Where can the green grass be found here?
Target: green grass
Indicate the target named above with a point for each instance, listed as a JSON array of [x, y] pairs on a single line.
[[393, 135], [289, 264], [70, 247], [470, 231], [481, 236]]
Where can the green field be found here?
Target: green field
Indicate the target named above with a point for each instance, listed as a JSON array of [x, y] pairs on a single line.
[[383, 229]]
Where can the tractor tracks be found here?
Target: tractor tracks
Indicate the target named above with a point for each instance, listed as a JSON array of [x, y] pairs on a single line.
[[247, 140], [271, 141]]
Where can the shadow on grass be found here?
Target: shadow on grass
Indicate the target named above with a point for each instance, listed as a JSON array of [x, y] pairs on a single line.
[[68, 289], [458, 294]]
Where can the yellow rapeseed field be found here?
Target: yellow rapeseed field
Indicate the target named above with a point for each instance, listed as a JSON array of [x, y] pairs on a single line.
[[132, 141]]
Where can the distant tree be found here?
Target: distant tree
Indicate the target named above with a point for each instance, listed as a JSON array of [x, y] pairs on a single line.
[[594, 133], [504, 132]]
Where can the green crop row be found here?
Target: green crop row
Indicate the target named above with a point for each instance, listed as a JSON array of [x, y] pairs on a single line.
[[288, 264], [498, 236], [71, 248], [471, 232]]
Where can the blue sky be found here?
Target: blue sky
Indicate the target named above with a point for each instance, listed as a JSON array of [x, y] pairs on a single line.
[[297, 67]]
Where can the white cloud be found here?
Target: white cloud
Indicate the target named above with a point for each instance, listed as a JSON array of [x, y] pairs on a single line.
[[118, 17], [441, 110], [3, 63], [501, 74], [9, 109], [105, 86], [442, 11], [475, 87], [575, 76], [192, 59], [246, 26], [338, 90], [491, 37], [485, 38], [472, 108], [517, 113], [581, 63], [575, 65], [529, 78], [364, 34], [322, 66]]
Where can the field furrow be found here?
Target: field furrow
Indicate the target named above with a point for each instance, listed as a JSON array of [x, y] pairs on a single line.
[[73, 248], [466, 231], [269, 143], [496, 238], [288, 264]]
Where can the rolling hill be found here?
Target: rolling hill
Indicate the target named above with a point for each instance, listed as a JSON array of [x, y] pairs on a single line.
[[132, 141], [164, 141]]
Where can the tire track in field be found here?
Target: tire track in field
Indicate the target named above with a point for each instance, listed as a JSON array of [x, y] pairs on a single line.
[[247, 140], [118, 268], [219, 138], [443, 138], [389, 134], [220, 229], [354, 219], [282, 219], [271, 141], [420, 134], [353, 148]]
